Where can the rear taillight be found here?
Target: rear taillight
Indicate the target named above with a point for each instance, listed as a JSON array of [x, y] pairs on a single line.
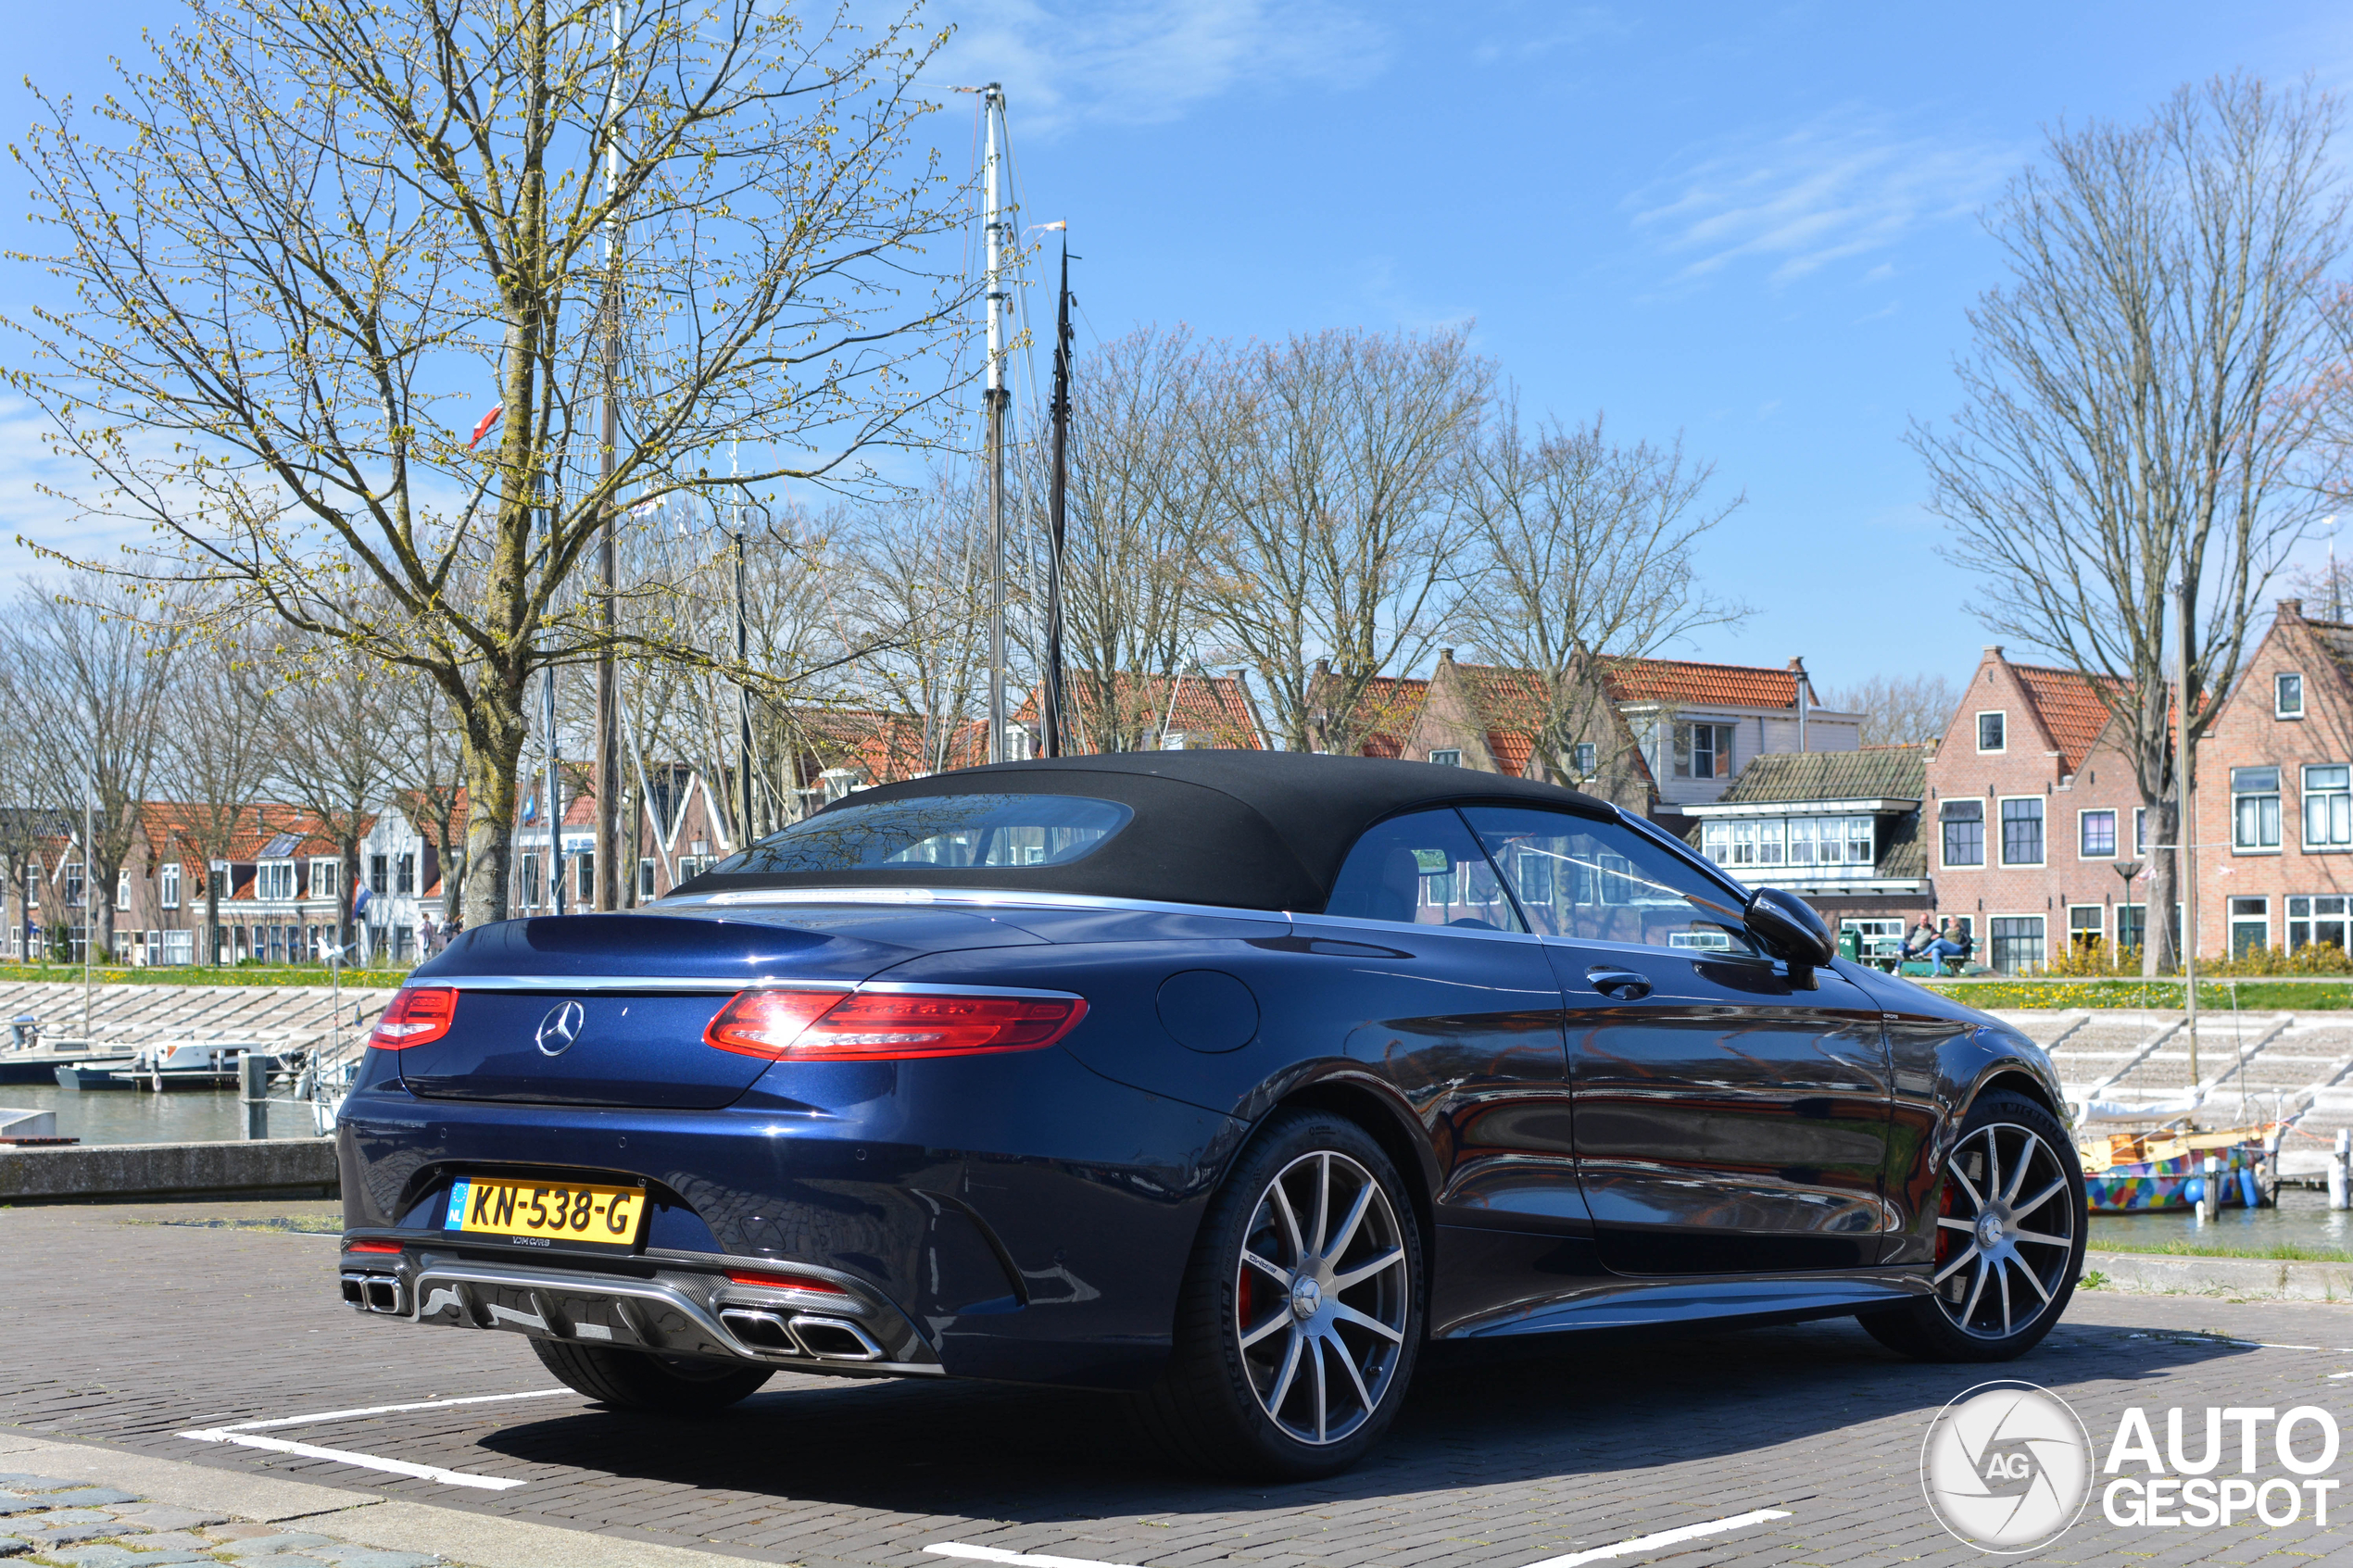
[[371, 1247], [835, 1026], [786, 1281], [416, 1015]]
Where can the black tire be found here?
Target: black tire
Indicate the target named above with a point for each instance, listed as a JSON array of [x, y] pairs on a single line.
[[2009, 1246], [1358, 1301], [639, 1380]]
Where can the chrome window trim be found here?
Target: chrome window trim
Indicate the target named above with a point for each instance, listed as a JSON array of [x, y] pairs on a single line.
[[1355, 922]]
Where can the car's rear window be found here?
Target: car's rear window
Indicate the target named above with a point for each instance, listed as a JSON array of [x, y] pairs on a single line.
[[942, 832]]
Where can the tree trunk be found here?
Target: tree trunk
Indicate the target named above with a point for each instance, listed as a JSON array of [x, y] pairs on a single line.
[[346, 904], [2158, 951], [212, 919], [492, 758]]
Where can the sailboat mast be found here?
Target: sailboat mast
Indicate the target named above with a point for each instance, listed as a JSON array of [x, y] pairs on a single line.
[[995, 397], [1053, 682]]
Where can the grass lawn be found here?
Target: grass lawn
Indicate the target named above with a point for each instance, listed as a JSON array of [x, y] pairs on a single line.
[[2288, 1252], [2213, 995], [192, 975]]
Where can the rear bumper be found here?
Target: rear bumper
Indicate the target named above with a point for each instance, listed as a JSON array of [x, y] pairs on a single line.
[[673, 1312], [1020, 1218]]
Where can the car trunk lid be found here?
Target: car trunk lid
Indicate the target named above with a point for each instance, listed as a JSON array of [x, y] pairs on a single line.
[[610, 1009]]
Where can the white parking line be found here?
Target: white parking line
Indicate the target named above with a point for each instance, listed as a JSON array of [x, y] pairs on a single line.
[[1643, 1544], [998, 1554], [1639, 1546], [242, 1434]]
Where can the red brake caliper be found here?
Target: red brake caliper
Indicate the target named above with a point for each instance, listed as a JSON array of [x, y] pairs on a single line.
[[1244, 1302], [1944, 1236]]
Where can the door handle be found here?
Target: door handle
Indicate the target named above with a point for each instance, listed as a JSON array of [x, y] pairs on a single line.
[[1620, 984]]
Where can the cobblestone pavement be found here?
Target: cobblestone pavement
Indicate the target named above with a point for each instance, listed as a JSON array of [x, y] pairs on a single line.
[[49, 1519], [121, 1330]]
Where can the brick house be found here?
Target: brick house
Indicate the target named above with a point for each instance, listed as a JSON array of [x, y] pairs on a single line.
[[1667, 733], [2031, 808], [2274, 795], [1841, 829]]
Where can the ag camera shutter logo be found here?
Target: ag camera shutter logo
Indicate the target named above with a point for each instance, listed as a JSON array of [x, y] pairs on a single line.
[[2006, 1467]]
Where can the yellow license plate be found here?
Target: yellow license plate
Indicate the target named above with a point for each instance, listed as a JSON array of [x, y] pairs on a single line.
[[546, 1213]]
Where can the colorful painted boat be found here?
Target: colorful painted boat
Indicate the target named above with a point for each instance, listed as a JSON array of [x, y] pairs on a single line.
[[2140, 1174]]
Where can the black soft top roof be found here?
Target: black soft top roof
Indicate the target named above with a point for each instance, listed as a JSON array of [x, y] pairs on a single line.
[[1257, 830]]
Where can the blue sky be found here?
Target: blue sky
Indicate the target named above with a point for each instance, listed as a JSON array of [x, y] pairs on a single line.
[[1754, 224]]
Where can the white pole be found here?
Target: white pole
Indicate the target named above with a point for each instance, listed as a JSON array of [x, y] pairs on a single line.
[[995, 396], [2338, 1164], [2209, 1201]]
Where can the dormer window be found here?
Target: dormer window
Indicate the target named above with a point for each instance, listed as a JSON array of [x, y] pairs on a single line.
[[1452, 758], [326, 879], [2287, 694], [273, 882], [1993, 732]]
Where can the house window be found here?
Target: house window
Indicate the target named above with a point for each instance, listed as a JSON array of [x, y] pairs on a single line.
[[404, 872], [1703, 751], [2016, 941], [2023, 833], [1449, 758], [2319, 921], [217, 879], [2096, 835], [2250, 925], [531, 864], [274, 881], [73, 886], [1803, 840], [587, 879], [2255, 808], [1964, 833], [168, 885], [179, 947], [2287, 694], [2328, 806], [2141, 830], [1991, 732], [1582, 759], [2083, 926], [1862, 841], [326, 879], [1768, 840], [2131, 926], [645, 878], [379, 874], [122, 890]]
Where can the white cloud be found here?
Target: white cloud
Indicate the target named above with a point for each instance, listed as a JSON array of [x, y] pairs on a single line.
[[1554, 29], [1841, 186], [1141, 62]]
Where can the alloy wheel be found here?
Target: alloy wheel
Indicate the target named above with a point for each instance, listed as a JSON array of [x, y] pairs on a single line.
[[2004, 1231], [1321, 1298]]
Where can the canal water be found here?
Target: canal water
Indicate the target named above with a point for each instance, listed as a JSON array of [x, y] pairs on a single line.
[[138, 1116], [2302, 1218]]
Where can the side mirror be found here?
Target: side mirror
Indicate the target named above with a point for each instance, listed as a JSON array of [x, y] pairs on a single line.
[[1791, 929]]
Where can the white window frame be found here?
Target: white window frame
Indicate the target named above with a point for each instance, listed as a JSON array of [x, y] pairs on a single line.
[[2098, 928], [1983, 845], [2110, 813], [2000, 844], [2338, 798], [2003, 715], [273, 882], [168, 885], [1450, 757], [122, 889], [327, 873], [1583, 758], [2041, 917], [2233, 920], [2274, 795], [2279, 708]]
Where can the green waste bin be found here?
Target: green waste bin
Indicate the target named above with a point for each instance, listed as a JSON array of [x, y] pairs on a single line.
[[1850, 945]]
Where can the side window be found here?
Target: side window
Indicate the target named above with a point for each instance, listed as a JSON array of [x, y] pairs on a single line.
[[1423, 869], [1600, 882]]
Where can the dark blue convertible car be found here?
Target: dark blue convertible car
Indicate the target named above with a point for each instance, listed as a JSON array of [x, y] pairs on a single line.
[[1227, 1080]]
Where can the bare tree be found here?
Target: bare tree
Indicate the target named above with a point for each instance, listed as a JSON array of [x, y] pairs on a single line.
[[1326, 458], [427, 773], [336, 720], [309, 244], [1584, 561], [219, 753], [85, 679], [1900, 710], [2135, 412], [1140, 500], [922, 590]]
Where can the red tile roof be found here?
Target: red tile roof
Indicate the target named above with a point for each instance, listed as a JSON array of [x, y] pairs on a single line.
[[1214, 706], [2070, 707], [1686, 681], [1390, 704]]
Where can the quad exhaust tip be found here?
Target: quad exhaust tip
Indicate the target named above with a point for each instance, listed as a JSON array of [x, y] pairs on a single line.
[[372, 1293], [820, 1338]]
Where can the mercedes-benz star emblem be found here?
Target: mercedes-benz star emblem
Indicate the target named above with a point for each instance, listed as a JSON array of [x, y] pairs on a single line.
[[560, 1028]]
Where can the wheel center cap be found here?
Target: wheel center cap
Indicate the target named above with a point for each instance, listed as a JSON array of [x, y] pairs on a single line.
[[1306, 1298], [1989, 1230]]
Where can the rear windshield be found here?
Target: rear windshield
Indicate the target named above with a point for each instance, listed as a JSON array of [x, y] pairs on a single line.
[[941, 831]]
